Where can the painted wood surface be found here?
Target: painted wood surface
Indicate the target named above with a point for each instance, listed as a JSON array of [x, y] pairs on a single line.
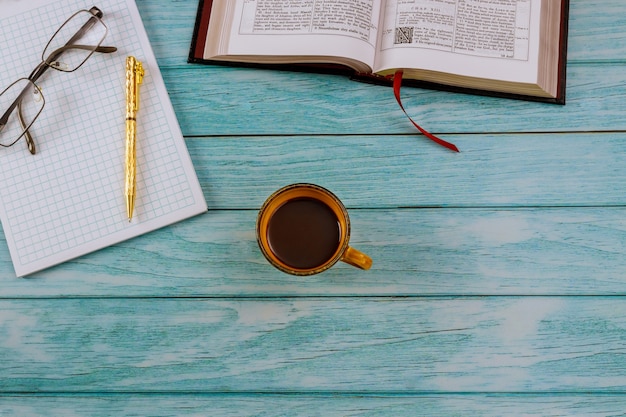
[[290, 103], [321, 404], [498, 278], [566, 251], [369, 345], [493, 170]]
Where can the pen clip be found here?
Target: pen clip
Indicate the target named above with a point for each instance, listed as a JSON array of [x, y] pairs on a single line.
[[139, 73]]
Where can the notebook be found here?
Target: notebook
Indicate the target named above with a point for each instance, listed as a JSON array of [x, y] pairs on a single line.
[[68, 199]]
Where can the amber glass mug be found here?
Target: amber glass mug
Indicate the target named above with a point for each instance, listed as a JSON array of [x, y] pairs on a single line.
[[304, 229]]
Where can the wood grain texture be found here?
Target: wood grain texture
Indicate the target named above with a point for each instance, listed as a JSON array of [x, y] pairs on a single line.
[[207, 102], [441, 345], [526, 170], [327, 405], [580, 251]]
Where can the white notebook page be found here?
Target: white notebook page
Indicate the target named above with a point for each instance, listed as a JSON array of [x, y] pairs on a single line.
[[68, 199]]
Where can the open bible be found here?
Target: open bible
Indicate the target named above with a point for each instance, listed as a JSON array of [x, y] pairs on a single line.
[[514, 48]]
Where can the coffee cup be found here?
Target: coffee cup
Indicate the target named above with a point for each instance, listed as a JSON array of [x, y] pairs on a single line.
[[304, 229]]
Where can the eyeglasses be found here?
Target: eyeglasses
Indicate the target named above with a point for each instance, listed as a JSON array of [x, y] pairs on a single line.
[[71, 45]]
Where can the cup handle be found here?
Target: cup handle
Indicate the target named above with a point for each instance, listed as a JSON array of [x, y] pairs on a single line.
[[355, 258]]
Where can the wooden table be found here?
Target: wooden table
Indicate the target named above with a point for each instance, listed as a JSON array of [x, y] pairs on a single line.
[[499, 277]]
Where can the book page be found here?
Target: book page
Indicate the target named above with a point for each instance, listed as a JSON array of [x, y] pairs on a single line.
[[495, 39], [318, 29]]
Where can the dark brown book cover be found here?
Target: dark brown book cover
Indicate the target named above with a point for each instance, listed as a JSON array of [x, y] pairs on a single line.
[[200, 32]]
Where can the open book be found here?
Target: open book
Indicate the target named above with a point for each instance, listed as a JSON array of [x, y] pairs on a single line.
[[515, 48]]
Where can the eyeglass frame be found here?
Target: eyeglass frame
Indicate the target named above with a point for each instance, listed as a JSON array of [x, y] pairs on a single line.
[[42, 67]]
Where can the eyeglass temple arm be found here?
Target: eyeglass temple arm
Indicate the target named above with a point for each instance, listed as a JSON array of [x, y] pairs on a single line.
[[43, 67], [29, 139]]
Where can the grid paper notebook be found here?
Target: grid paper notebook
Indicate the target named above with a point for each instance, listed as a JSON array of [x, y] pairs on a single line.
[[68, 199]]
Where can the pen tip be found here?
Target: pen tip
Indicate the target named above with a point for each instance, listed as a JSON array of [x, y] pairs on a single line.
[[130, 206]]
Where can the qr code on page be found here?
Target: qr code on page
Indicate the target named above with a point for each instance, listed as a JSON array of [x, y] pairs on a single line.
[[403, 35]]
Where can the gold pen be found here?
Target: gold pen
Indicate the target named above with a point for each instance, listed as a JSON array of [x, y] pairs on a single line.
[[134, 77]]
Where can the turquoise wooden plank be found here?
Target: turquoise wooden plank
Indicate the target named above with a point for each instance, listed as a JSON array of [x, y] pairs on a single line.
[[170, 24], [525, 170], [602, 24], [294, 345], [416, 252], [215, 100], [335, 405]]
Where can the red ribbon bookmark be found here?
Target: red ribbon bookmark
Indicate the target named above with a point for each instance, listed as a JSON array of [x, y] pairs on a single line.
[[397, 83]]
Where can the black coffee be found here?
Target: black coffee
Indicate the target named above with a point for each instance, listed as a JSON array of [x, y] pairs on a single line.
[[304, 233]]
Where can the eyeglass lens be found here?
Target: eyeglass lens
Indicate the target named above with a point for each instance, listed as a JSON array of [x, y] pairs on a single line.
[[75, 41], [29, 101]]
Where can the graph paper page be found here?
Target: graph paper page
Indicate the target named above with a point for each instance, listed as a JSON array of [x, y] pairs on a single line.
[[68, 199]]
